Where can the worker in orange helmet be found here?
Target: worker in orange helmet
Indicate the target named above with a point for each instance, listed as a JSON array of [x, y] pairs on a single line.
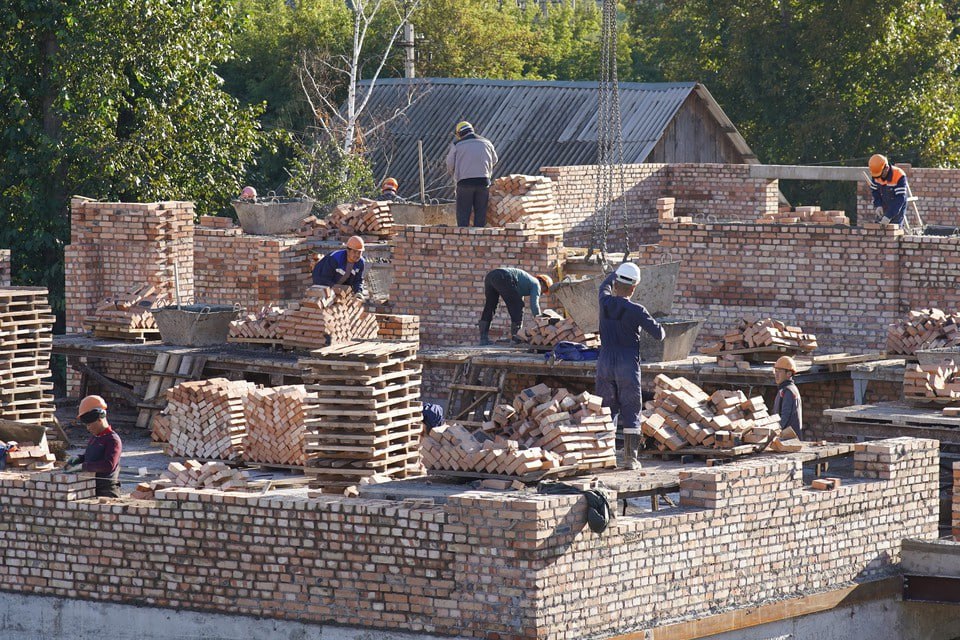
[[513, 285], [388, 190], [343, 267], [102, 455], [888, 184], [788, 404]]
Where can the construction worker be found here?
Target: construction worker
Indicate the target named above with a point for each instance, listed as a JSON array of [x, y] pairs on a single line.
[[618, 366], [103, 450], [388, 190], [889, 187], [512, 285], [344, 266], [470, 161], [787, 403]]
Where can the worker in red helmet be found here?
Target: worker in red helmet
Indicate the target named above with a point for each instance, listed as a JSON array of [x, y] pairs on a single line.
[[343, 267], [388, 190], [888, 184], [102, 455], [788, 404]]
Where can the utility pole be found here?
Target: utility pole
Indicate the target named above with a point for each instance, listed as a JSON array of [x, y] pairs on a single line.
[[407, 43]]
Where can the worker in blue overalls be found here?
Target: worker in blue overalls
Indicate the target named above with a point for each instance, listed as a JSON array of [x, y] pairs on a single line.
[[888, 185], [618, 367]]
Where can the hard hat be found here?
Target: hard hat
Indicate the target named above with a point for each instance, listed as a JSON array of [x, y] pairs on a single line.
[[463, 128], [390, 183], [877, 164], [356, 243], [786, 363], [545, 282], [93, 405], [248, 193], [628, 273]]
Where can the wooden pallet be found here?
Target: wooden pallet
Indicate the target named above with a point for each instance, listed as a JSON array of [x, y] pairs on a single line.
[[113, 332], [706, 452], [893, 414], [839, 361], [527, 478]]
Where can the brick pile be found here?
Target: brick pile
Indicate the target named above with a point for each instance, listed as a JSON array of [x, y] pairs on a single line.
[[117, 247], [127, 316], [193, 475], [5, 269], [519, 198], [681, 414], [26, 341], [275, 426], [327, 315], [369, 218], [938, 383], [398, 327], [453, 448], [32, 456], [259, 327], [204, 419], [805, 215], [363, 412], [757, 335], [923, 329], [550, 328]]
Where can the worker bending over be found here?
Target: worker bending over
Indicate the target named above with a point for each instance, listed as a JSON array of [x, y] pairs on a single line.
[[888, 184], [618, 366], [102, 456], [344, 266], [470, 161], [787, 403], [513, 285]]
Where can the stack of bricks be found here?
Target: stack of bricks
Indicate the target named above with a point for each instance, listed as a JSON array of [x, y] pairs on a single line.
[[519, 198], [453, 448], [666, 209], [370, 218], [929, 384], [117, 247], [205, 419], [29, 456], [896, 458], [327, 315], [923, 329], [758, 335], [26, 341], [194, 475], [398, 327], [363, 412], [127, 316], [275, 426], [805, 215], [5, 270], [682, 414], [260, 327], [550, 327]]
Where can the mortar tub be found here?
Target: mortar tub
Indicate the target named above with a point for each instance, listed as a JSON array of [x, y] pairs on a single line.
[[681, 336], [933, 357], [272, 216], [580, 298], [195, 325]]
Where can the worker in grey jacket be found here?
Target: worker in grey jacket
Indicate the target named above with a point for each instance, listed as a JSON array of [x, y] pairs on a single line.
[[787, 403], [470, 161], [513, 285]]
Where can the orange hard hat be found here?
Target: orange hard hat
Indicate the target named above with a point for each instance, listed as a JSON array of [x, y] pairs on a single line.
[[877, 164], [390, 183], [786, 363], [545, 282], [355, 243], [90, 403]]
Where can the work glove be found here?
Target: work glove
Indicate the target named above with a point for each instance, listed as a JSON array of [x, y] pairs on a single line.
[[877, 214], [74, 463]]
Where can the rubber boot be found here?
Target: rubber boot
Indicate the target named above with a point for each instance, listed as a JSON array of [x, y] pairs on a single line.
[[630, 443], [514, 329], [484, 332]]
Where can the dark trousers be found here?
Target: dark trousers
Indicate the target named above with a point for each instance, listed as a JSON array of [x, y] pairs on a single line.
[[500, 284], [471, 197], [107, 486]]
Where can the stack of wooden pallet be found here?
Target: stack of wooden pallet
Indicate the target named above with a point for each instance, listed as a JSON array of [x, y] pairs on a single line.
[[937, 383], [275, 425], [806, 215], [327, 315], [26, 340], [205, 419], [194, 475], [530, 199], [550, 327], [128, 316], [923, 329], [366, 217], [260, 327], [758, 336], [683, 415], [363, 412], [453, 448]]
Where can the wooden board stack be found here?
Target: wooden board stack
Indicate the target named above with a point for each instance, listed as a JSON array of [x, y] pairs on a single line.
[[681, 415], [932, 384], [275, 425], [205, 419], [26, 340], [398, 327], [805, 215], [923, 329], [519, 198], [366, 217], [194, 475], [363, 412], [327, 315], [128, 316], [757, 335], [260, 327], [451, 447], [550, 327]]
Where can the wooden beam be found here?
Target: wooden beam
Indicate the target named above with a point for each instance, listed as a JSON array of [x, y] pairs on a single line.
[[114, 386], [802, 172]]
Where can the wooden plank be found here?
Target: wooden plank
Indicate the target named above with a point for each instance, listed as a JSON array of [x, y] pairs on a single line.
[[892, 413]]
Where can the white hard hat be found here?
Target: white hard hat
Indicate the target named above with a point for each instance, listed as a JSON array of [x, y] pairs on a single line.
[[628, 273]]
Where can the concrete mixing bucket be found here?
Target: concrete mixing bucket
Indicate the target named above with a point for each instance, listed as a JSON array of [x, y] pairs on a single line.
[[579, 298], [195, 325], [273, 216]]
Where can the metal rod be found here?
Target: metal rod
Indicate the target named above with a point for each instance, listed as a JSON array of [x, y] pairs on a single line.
[[423, 190], [176, 283]]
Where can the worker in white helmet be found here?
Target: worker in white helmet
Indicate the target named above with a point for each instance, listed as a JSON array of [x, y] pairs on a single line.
[[618, 366]]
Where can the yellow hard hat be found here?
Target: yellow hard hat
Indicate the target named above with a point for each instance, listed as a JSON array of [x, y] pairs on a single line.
[[90, 403], [356, 243], [463, 128], [877, 164], [786, 363]]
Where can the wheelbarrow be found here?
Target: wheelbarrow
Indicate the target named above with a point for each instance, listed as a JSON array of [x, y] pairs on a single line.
[[195, 325], [272, 215]]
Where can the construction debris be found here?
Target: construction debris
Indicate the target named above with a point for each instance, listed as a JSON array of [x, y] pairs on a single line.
[[937, 383], [327, 315], [193, 475], [28, 456], [923, 329], [550, 327], [26, 340], [275, 426], [805, 215], [529, 199], [205, 419], [757, 336]]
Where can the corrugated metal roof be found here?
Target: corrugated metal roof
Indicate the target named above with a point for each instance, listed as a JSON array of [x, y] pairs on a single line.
[[531, 123]]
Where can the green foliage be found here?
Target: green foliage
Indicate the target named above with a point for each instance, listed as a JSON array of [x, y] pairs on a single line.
[[323, 172]]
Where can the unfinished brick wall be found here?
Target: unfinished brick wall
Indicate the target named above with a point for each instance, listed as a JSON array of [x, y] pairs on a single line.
[[937, 190], [956, 501], [118, 246], [929, 273], [483, 565], [5, 271], [718, 190], [439, 272]]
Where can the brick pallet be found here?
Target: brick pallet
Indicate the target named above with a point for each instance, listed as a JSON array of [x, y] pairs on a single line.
[[327, 315], [127, 316], [364, 218], [204, 419], [933, 384], [259, 327], [762, 339], [275, 427], [550, 328], [363, 414], [193, 474], [923, 329], [26, 340], [519, 198]]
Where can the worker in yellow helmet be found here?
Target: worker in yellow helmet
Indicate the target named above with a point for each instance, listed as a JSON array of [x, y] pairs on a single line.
[[787, 403], [470, 161], [888, 184], [344, 266]]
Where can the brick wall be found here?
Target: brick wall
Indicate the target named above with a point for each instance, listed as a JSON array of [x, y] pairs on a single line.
[[117, 246], [929, 272], [5, 271], [483, 565], [939, 197], [956, 501], [439, 272]]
